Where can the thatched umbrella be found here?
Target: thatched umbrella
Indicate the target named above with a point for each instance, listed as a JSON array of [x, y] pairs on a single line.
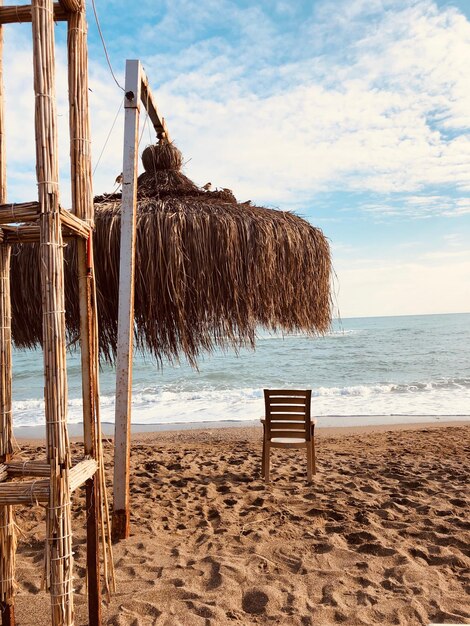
[[209, 270]]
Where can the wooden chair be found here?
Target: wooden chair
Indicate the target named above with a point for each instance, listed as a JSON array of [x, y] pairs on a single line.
[[288, 424]]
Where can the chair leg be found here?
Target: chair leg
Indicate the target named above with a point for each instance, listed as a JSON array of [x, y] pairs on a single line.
[[314, 456], [263, 459], [309, 463], [267, 460]]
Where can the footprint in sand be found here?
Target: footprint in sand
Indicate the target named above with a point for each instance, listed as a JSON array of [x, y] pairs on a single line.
[[255, 602]]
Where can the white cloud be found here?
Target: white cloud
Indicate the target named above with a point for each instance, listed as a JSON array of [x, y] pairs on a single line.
[[435, 283], [418, 207], [368, 113]]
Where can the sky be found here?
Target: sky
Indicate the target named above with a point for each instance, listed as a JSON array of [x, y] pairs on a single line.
[[355, 114]]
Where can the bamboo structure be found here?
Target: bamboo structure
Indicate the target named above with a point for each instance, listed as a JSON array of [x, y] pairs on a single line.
[[23, 13], [82, 206], [45, 225], [59, 558], [7, 521]]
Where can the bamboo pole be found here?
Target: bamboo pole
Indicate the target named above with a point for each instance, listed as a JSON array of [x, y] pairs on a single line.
[[74, 6], [7, 520], [59, 559], [28, 492], [21, 467], [22, 13], [19, 212], [83, 208]]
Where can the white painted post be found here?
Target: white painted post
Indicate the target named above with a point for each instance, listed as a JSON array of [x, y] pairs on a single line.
[[121, 527]]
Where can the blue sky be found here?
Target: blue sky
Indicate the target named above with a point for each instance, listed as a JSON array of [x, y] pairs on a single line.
[[353, 113]]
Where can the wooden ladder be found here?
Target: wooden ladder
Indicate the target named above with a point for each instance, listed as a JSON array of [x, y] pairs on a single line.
[[46, 224]]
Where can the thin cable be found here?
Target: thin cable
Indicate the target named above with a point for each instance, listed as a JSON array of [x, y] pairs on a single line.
[[104, 45], [107, 138], [143, 127]]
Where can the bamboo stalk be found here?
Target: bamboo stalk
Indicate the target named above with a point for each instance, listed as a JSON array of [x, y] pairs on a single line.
[[8, 537], [83, 208], [22, 13], [72, 5], [30, 492], [29, 212], [29, 233], [106, 529], [59, 560], [82, 472], [75, 224], [19, 212], [28, 468]]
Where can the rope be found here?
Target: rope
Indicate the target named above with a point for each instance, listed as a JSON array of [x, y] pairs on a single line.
[[107, 138], [104, 45]]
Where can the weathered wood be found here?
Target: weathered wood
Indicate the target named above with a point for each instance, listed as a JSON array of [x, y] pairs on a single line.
[[59, 559], [7, 519], [150, 104], [82, 206], [81, 472], [19, 212], [3, 472], [22, 13], [72, 5], [31, 233], [121, 514], [28, 492], [74, 224], [28, 468]]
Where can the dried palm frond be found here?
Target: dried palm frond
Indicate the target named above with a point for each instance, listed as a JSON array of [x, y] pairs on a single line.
[[209, 270]]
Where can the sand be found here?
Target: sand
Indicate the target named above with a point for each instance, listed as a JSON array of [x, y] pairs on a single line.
[[381, 537]]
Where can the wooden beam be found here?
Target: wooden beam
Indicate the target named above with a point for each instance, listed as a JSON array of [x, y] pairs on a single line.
[[81, 472], [19, 212], [72, 6], [22, 13], [30, 233], [3, 472], [30, 492], [121, 514], [150, 104], [28, 468], [74, 224]]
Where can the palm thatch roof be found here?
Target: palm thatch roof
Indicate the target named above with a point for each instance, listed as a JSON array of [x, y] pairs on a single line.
[[209, 270]]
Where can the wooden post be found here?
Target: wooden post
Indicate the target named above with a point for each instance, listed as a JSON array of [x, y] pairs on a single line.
[[82, 206], [59, 560], [7, 526], [121, 527]]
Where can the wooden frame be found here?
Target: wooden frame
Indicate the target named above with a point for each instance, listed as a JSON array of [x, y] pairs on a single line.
[[137, 91], [47, 223], [288, 424], [7, 518], [23, 13]]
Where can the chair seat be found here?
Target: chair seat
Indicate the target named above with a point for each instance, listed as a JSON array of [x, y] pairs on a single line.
[[313, 421], [288, 440]]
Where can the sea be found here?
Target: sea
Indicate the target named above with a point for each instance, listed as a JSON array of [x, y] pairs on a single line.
[[369, 370]]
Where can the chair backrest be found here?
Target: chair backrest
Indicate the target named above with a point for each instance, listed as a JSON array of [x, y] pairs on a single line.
[[288, 413]]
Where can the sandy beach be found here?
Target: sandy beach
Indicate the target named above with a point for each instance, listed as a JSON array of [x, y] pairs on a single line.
[[381, 537]]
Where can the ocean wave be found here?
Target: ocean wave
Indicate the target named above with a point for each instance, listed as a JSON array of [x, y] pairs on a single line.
[[169, 405]]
